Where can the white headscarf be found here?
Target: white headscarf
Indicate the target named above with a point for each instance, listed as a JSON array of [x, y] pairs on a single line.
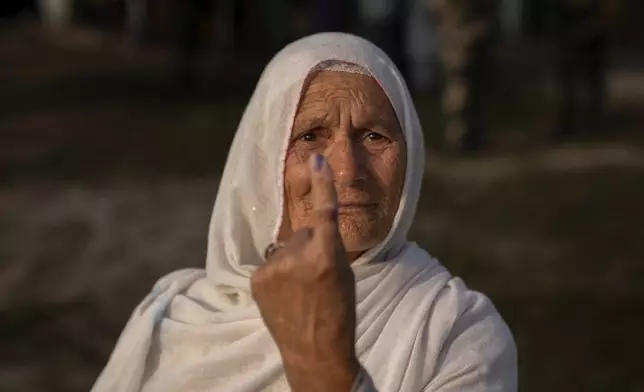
[[418, 328]]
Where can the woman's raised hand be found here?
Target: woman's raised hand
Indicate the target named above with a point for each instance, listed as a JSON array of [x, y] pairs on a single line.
[[306, 295]]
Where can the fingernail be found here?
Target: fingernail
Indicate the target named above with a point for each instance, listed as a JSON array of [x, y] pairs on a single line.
[[318, 162]]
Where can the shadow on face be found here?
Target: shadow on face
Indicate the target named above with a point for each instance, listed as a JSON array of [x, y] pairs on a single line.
[[347, 118]]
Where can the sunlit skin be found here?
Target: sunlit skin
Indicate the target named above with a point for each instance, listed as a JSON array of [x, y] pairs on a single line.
[[336, 208], [347, 118]]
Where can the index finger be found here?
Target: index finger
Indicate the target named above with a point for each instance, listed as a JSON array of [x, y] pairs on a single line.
[[323, 195]]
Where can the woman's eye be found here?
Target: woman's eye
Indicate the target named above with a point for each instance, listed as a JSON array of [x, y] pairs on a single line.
[[307, 137], [374, 137]]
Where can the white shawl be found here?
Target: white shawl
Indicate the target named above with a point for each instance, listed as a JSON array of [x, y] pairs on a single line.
[[419, 329]]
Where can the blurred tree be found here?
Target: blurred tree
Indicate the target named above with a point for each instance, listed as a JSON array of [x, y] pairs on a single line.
[[421, 48], [383, 23], [135, 21], [56, 14], [466, 31], [582, 32], [511, 19], [13, 8], [189, 16], [224, 18], [330, 15], [276, 21]]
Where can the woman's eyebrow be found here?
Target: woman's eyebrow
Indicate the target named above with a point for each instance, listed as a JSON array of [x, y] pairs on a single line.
[[304, 121], [379, 122]]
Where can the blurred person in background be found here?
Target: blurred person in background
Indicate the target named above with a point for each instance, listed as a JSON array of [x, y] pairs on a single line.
[[310, 282], [582, 33], [466, 29]]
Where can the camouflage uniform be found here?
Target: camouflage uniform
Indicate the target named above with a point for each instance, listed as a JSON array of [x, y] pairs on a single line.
[[466, 29]]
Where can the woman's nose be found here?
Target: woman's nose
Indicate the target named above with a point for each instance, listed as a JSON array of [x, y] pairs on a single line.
[[345, 161]]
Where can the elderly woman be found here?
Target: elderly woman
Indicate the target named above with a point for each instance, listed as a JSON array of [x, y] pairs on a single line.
[[310, 283]]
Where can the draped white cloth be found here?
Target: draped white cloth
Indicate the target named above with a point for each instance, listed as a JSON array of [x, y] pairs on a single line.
[[419, 328]]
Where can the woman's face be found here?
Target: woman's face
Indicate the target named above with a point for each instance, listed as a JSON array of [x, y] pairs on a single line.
[[347, 118]]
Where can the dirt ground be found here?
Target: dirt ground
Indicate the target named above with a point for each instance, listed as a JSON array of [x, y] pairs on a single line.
[[108, 174]]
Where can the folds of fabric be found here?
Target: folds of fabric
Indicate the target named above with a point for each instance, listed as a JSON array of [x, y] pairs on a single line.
[[200, 330]]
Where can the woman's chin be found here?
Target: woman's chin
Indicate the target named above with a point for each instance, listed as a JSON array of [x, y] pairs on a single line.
[[358, 235]]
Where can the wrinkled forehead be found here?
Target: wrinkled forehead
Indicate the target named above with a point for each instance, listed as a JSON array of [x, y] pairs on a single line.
[[249, 206], [279, 92], [331, 82], [290, 69]]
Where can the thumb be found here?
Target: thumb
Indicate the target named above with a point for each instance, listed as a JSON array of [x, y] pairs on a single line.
[[324, 198]]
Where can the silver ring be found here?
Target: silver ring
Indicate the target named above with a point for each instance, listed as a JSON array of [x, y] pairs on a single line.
[[272, 248]]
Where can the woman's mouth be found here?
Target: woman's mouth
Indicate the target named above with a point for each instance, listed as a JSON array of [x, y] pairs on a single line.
[[347, 208]]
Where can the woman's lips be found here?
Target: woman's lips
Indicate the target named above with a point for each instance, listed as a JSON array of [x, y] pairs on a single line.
[[354, 207]]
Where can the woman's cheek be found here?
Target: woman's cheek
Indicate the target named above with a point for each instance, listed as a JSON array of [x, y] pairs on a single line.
[[296, 176], [297, 191], [386, 164]]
